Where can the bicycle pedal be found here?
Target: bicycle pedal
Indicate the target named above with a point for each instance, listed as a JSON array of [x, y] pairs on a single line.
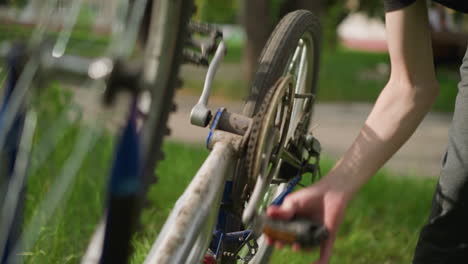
[[192, 57], [204, 28]]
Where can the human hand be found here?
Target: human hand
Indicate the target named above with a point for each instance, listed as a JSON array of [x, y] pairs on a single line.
[[323, 202]]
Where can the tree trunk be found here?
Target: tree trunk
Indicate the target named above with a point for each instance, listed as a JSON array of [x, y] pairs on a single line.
[[256, 21]]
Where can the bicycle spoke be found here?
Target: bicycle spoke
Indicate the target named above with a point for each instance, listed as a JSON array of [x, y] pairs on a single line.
[[2, 80], [94, 250], [65, 34], [48, 22], [127, 41], [51, 138], [293, 63], [47, 11], [48, 206], [300, 81], [15, 186], [15, 101]]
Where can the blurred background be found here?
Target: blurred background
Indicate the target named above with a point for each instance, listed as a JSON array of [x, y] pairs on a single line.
[[383, 221], [353, 36]]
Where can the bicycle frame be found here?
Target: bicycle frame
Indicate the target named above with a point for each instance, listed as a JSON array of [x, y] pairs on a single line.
[[194, 206], [182, 238]]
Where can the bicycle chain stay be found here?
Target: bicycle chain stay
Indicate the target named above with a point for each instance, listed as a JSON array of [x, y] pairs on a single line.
[[229, 126]]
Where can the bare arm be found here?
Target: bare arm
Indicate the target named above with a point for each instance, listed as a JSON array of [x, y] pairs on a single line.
[[402, 104], [405, 100]]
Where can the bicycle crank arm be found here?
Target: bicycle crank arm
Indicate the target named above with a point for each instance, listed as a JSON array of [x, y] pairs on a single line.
[[200, 114]]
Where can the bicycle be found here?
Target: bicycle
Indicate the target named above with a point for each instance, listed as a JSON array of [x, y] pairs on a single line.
[[273, 135], [47, 52], [295, 45]]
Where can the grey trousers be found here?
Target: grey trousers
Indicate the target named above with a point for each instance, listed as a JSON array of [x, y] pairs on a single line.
[[444, 238]]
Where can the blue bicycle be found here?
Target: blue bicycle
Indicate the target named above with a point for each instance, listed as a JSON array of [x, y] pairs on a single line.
[[257, 156]]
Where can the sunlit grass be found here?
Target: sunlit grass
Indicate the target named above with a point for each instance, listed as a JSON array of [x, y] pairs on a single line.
[[346, 76], [381, 225]]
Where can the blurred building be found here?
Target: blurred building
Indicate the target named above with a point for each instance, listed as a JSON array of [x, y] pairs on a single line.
[[360, 32]]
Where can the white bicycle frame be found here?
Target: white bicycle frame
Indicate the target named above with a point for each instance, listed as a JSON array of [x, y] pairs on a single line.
[[198, 206]]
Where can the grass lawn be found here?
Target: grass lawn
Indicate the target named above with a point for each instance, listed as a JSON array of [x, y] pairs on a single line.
[[345, 76], [352, 76], [83, 41], [381, 225]]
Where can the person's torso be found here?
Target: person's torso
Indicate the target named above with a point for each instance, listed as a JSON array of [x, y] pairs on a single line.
[[459, 5]]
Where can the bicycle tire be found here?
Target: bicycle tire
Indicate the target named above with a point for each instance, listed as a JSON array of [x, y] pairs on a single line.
[[273, 61], [272, 65], [276, 52], [156, 127]]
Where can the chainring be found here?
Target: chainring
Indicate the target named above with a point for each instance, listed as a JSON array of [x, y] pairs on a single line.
[[267, 135]]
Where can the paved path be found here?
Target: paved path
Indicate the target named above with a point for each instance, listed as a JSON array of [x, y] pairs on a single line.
[[336, 125]]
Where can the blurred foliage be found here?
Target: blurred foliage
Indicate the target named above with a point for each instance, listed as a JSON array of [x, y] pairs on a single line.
[[275, 9], [19, 3], [82, 41], [373, 8], [229, 12], [367, 72], [215, 11]]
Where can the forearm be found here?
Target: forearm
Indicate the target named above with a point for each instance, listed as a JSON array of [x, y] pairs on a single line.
[[394, 118], [403, 103]]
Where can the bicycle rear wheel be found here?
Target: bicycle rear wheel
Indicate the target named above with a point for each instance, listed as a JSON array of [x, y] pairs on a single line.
[[292, 50]]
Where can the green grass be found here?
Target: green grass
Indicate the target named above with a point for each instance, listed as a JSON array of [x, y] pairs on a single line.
[[83, 40], [381, 225], [65, 237], [235, 51], [345, 76], [174, 175], [352, 76]]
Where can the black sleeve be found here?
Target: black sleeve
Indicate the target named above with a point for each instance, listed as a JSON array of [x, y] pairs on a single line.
[[392, 5]]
